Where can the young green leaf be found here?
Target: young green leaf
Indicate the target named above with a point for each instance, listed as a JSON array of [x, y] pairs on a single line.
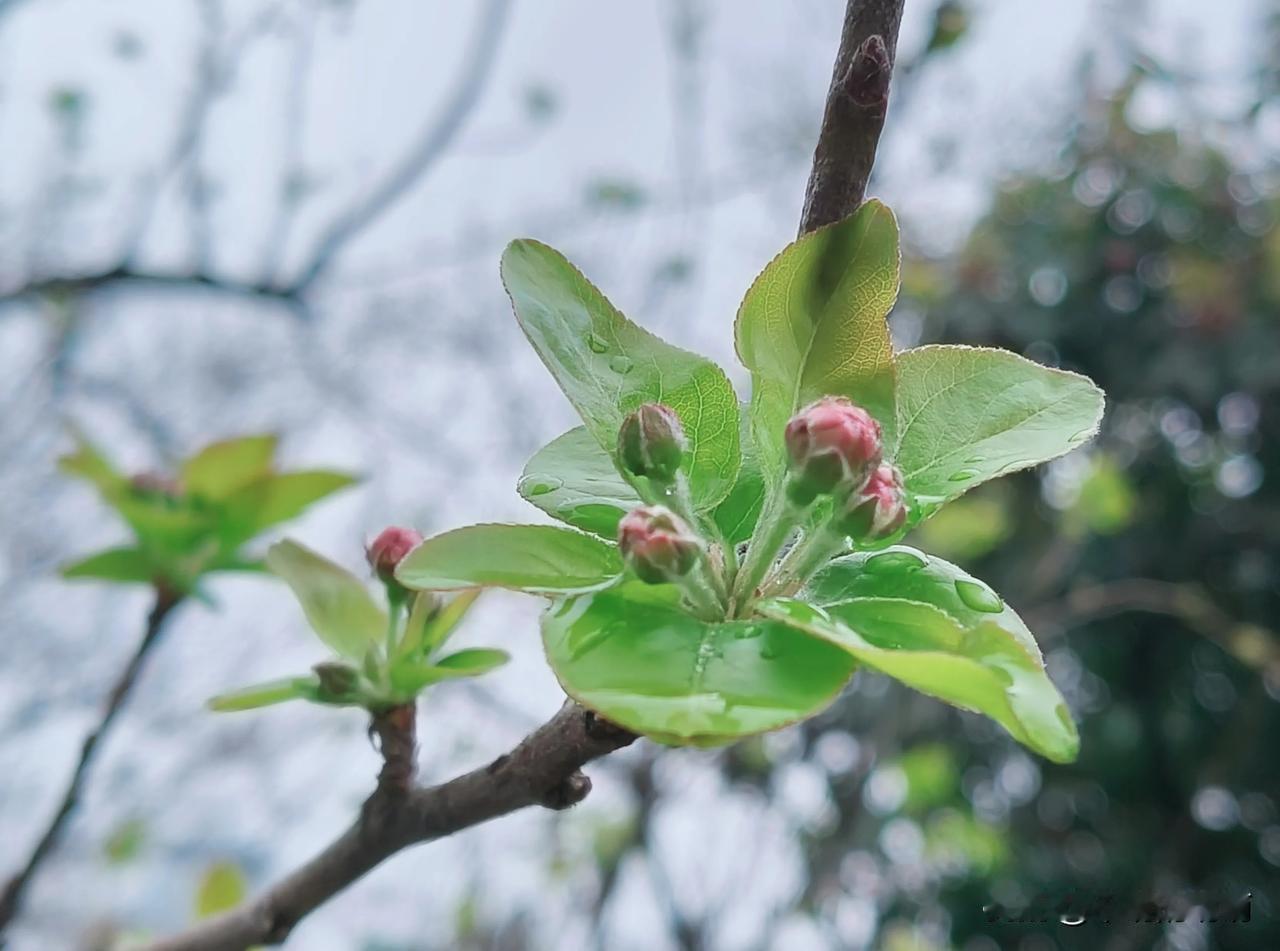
[[408, 677], [221, 467], [222, 887], [633, 655], [966, 415], [533, 558], [447, 619], [113, 564], [266, 694], [929, 624], [737, 515], [982, 669], [275, 498], [336, 602], [607, 366], [88, 463], [575, 481], [813, 324]]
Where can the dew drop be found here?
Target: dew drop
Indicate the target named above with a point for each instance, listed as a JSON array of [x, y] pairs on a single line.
[[1072, 918], [597, 343], [770, 651], [892, 561], [964, 475], [621, 364], [538, 485], [979, 597], [747, 631]]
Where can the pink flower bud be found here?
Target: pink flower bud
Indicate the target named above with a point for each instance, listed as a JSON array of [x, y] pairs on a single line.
[[651, 442], [388, 550], [658, 544], [833, 447], [155, 483], [877, 510]]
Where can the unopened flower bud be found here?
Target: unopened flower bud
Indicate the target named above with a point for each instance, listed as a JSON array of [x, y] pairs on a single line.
[[155, 483], [833, 446], [337, 680], [877, 510], [657, 544], [388, 550], [651, 442]]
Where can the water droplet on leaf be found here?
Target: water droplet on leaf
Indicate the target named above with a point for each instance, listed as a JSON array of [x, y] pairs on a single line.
[[979, 597], [597, 343], [621, 364], [964, 475], [538, 485], [891, 561]]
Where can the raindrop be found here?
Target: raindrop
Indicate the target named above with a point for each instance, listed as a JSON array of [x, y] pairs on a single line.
[[536, 485], [621, 364], [597, 343], [1072, 918], [979, 597], [747, 631], [770, 651], [964, 475], [891, 561]]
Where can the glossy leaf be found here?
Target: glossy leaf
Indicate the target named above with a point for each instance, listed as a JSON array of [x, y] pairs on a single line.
[[221, 467], [966, 415], [737, 515], [631, 654], [113, 564], [336, 603], [925, 622], [535, 558], [607, 366], [431, 622], [813, 324], [275, 498], [572, 479], [266, 694]]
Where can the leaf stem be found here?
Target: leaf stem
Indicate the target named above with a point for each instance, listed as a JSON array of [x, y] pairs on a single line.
[[772, 531], [806, 557]]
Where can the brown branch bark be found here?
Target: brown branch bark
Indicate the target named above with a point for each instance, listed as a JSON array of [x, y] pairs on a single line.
[[857, 103], [546, 767], [15, 889]]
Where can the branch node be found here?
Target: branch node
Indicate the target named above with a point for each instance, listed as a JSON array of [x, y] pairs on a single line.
[[866, 81], [396, 730], [568, 792]]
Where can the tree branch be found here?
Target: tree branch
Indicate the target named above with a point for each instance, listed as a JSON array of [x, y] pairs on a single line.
[[77, 285], [857, 102], [545, 769], [431, 144], [11, 898]]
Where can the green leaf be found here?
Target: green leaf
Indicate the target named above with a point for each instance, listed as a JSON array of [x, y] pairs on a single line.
[[221, 467], [336, 602], [113, 564], [473, 661], [813, 324], [88, 463], [534, 558], [170, 525], [572, 479], [930, 625], [409, 677], [446, 621], [272, 499], [737, 515], [607, 366], [634, 656], [265, 694], [966, 415], [125, 842], [222, 887]]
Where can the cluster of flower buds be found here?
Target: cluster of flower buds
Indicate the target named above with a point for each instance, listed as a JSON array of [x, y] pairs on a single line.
[[833, 446], [651, 443], [877, 510], [386, 551], [658, 545]]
